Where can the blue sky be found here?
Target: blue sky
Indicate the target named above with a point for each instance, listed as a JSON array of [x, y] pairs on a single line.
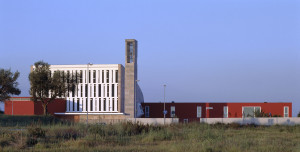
[[204, 51]]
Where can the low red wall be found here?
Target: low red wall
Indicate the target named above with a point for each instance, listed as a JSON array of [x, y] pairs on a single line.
[[20, 108], [27, 107]]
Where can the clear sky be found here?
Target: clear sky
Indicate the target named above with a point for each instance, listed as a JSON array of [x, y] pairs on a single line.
[[204, 51]]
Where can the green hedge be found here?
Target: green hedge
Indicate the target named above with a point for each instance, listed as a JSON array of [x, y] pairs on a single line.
[[6, 120]]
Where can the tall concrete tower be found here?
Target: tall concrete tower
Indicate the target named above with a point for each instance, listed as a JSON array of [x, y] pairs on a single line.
[[133, 94]]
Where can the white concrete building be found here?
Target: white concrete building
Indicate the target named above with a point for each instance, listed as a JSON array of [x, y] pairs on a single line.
[[96, 89], [108, 90]]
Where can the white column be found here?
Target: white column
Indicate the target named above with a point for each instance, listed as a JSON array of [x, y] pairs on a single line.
[[110, 76], [80, 104], [107, 104]]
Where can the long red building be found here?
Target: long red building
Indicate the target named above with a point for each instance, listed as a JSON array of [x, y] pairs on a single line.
[[195, 111], [186, 112]]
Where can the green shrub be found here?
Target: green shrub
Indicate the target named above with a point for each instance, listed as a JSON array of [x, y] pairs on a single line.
[[66, 134], [299, 114], [34, 133]]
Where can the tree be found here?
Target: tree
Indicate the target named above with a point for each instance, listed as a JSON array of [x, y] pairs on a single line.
[[8, 84], [299, 114], [47, 86]]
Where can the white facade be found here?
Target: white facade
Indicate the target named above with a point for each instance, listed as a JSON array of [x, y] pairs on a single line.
[[96, 91]]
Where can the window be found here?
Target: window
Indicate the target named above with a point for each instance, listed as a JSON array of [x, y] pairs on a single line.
[[113, 102], [86, 104], [172, 111], [286, 111], [112, 90], [81, 91], [107, 76], [99, 104], [99, 90], [250, 111], [80, 76], [147, 108], [225, 112], [116, 76], [95, 89], [91, 102], [185, 120], [199, 111], [104, 104], [94, 76], [86, 90], [107, 91], [90, 76], [130, 52], [102, 76]]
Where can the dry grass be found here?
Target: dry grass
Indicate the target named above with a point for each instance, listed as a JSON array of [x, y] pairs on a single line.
[[136, 137]]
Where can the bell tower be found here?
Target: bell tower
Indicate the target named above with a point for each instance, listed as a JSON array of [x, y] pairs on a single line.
[[130, 77]]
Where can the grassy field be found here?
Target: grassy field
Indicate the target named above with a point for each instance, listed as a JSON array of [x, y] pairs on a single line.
[[61, 136]]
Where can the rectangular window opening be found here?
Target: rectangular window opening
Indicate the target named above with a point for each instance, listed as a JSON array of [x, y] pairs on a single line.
[[225, 110], [172, 111], [147, 111], [199, 111]]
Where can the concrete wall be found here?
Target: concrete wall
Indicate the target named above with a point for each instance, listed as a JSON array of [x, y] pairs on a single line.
[[257, 121], [154, 121], [107, 119]]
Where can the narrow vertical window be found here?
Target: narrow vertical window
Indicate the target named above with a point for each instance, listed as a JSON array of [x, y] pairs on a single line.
[[112, 90], [95, 90], [99, 90], [107, 90], [73, 106], [102, 76], [86, 104], [172, 111], [99, 104], [89, 77], [107, 76], [147, 111], [130, 52], [104, 104], [199, 111], [113, 104], [94, 76], [80, 76], [116, 76], [286, 111], [225, 112], [91, 102], [81, 91], [86, 90]]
